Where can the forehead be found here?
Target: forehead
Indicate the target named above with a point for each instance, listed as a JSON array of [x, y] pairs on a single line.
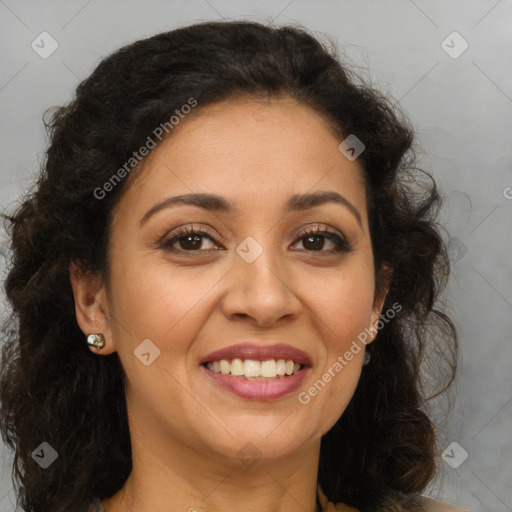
[[246, 148]]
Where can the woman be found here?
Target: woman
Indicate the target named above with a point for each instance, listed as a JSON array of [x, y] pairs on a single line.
[[226, 281]]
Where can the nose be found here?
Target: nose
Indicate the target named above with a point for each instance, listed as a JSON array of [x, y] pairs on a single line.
[[261, 291]]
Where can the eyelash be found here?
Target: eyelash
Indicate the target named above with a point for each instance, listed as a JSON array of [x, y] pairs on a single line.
[[341, 244]]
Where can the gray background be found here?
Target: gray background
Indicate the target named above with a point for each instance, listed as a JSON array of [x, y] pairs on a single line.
[[461, 108]]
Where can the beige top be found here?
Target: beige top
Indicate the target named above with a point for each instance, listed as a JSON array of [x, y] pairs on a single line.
[[430, 505]]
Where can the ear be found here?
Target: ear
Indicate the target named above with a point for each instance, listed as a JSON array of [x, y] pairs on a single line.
[[91, 306], [385, 274]]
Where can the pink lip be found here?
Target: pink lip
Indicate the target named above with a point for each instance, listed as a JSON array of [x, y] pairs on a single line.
[[259, 390], [259, 353]]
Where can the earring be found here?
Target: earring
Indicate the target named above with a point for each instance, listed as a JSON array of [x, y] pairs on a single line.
[[96, 340]]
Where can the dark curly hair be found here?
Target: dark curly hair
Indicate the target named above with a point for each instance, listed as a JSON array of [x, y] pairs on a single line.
[[382, 450]]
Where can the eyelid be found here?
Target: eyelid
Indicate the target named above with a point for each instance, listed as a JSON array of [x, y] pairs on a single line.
[[320, 228], [181, 231]]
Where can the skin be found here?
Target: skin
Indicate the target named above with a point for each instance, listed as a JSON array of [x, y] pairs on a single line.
[[185, 430]]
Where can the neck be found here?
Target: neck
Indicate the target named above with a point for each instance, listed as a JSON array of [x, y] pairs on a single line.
[[175, 477]]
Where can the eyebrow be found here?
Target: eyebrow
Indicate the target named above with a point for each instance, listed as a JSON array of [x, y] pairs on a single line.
[[213, 202]]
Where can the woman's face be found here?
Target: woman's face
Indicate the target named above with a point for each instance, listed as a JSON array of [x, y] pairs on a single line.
[[260, 275]]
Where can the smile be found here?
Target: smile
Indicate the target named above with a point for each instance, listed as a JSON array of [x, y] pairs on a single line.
[[254, 370]]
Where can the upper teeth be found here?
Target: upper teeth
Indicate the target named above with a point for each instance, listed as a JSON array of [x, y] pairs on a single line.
[[252, 368]]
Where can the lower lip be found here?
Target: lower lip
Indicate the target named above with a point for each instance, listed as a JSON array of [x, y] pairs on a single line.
[[259, 390]]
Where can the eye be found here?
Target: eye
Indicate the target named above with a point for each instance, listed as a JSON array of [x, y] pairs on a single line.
[[313, 239], [189, 239]]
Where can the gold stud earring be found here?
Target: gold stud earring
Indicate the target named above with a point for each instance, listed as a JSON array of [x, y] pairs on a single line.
[[96, 340]]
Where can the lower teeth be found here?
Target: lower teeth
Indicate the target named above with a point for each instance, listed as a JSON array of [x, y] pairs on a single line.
[[261, 378]]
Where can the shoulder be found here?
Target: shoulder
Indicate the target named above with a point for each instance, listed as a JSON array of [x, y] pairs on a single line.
[[428, 504], [432, 505], [96, 505]]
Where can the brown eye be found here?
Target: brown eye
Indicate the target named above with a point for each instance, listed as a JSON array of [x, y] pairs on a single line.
[[189, 240], [314, 241]]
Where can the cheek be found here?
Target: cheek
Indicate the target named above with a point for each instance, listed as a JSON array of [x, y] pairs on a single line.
[[156, 302], [344, 312], [345, 302]]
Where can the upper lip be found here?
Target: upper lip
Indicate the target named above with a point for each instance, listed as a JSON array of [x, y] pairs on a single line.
[[259, 353]]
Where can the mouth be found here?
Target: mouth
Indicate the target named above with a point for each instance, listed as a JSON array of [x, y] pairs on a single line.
[[257, 372]]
